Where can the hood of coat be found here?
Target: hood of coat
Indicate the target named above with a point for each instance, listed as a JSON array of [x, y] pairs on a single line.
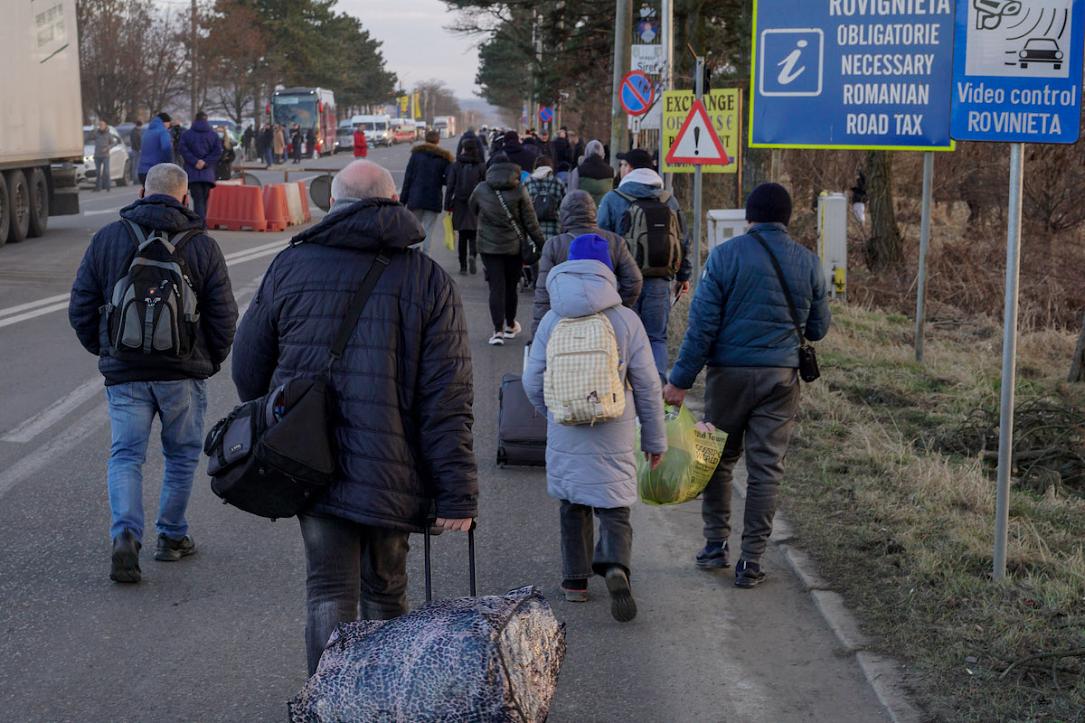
[[503, 176], [595, 167], [577, 211], [644, 177], [432, 150], [202, 126], [366, 225], [542, 172], [162, 213], [156, 124], [582, 288], [470, 150]]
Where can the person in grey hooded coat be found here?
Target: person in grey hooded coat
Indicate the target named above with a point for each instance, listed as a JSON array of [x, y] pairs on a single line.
[[577, 218], [593, 468]]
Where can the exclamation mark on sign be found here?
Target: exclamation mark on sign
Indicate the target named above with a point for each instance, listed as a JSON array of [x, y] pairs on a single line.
[[696, 141]]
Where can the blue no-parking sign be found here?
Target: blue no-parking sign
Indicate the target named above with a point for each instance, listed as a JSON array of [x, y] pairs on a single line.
[[546, 114], [1017, 71], [637, 93], [852, 74]]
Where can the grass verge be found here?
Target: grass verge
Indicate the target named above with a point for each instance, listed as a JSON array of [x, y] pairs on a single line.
[[901, 520]]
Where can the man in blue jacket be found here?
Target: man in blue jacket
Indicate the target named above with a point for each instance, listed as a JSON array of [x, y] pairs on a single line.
[[741, 326], [201, 148], [139, 387], [639, 180], [156, 146]]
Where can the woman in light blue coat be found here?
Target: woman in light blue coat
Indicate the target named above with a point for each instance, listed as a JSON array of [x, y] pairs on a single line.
[[593, 468]]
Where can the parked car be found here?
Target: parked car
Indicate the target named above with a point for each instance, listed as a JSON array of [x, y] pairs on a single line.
[[120, 165], [344, 136], [230, 126]]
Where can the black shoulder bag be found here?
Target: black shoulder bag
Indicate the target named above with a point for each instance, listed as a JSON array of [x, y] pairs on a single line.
[[529, 253], [808, 358], [274, 455]]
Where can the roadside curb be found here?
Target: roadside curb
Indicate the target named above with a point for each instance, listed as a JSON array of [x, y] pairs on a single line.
[[884, 675]]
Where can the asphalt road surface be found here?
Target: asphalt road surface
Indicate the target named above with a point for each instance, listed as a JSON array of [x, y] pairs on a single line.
[[218, 637]]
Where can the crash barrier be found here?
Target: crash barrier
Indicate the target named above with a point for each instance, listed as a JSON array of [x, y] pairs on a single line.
[[293, 204], [237, 208], [276, 211], [306, 214]]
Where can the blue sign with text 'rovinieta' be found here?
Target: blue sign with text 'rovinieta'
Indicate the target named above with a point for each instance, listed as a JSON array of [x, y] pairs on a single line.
[[852, 74], [1017, 71]]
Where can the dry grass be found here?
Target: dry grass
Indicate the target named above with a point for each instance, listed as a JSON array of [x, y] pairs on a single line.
[[905, 531]]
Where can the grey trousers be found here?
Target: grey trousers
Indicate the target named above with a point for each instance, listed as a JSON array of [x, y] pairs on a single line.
[[615, 546], [756, 406], [352, 572]]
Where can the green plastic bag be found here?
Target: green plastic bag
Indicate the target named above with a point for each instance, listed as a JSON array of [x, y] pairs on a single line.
[[691, 459]]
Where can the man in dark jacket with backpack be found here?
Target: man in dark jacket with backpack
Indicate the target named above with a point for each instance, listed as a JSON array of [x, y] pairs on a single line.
[[642, 185], [162, 372], [403, 393], [743, 326]]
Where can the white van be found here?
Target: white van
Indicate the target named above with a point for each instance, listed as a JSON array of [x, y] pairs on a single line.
[[378, 129]]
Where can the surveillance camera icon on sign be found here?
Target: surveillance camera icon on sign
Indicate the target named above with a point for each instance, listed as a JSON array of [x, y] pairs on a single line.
[[989, 13], [792, 62]]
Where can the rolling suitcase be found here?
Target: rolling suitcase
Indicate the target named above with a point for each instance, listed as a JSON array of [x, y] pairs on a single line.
[[493, 658], [521, 430]]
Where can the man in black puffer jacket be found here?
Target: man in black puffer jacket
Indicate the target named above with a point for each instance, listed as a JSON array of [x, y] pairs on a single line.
[[138, 388], [403, 389]]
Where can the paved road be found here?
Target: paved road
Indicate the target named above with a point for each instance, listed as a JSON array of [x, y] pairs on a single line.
[[218, 637]]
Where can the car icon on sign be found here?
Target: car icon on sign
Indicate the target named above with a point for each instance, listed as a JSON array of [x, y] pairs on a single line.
[[1041, 50]]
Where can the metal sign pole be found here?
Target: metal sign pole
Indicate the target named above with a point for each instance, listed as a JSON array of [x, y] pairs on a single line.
[[924, 246], [667, 13], [698, 186], [1009, 360]]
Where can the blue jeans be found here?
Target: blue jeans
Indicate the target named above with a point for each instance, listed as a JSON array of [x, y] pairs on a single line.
[[101, 170], [181, 406], [654, 309]]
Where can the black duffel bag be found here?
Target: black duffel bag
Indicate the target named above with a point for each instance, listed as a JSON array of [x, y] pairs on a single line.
[[273, 456]]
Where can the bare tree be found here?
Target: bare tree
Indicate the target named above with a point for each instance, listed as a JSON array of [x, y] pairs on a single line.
[[884, 248]]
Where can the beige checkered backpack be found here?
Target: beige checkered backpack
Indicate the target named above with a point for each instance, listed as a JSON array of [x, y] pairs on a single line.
[[583, 382]]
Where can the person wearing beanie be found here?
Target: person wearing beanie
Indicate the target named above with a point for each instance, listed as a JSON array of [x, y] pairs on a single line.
[[577, 216], [741, 327], [592, 468], [639, 184]]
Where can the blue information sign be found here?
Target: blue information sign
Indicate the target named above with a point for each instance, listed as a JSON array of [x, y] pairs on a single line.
[[852, 74], [1017, 71]]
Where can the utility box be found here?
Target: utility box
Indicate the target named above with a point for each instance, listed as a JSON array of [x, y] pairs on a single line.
[[724, 224], [833, 242]]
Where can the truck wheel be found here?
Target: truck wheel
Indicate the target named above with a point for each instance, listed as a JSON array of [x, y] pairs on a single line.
[[19, 195], [39, 203], [5, 211], [127, 175]]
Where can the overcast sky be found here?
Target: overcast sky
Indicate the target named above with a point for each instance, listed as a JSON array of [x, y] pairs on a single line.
[[416, 44]]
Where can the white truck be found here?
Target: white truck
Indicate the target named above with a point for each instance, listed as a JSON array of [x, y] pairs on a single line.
[[41, 116], [445, 125]]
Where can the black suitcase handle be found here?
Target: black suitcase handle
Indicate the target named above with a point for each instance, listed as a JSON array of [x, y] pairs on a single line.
[[470, 559]]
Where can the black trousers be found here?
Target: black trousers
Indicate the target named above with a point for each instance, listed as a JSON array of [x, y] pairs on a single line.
[[615, 545], [467, 243], [503, 275], [200, 192]]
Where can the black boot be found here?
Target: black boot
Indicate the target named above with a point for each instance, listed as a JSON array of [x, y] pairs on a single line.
[[126, 558]]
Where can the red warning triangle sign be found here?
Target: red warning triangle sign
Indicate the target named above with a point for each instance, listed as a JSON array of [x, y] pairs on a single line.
[[697, 142]]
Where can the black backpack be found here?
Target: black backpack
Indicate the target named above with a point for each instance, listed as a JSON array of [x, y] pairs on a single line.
[[545, 204], [274, 455], [653, 235], [153, 309]]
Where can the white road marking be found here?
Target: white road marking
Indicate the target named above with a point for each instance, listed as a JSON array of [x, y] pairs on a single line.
[[32, 305], [60, 409], [41, 307], [55, 412], [54, 449], [104, 211], [33, 314]]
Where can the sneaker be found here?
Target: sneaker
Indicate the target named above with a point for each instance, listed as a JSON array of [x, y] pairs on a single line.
[[511, 332], [472, 265], [714, 556], [498, 339], [576, 591], [171, 550], [125, 567], [622, 606], [748, 574]]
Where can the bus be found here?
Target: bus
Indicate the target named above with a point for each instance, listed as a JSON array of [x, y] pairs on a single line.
[[312, 109]]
